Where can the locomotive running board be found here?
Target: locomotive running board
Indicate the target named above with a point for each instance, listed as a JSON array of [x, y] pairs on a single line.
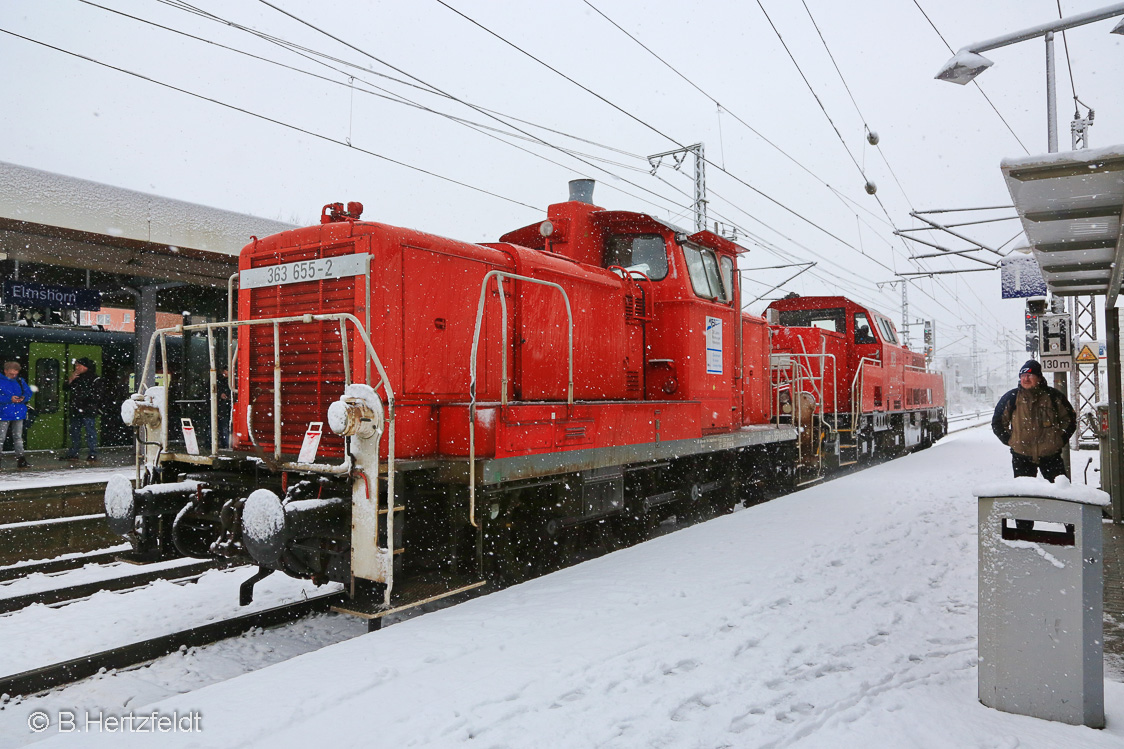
[[410, 594], [499, 470]]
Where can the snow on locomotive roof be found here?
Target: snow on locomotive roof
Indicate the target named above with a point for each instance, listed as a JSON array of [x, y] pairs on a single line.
[[51, 199]]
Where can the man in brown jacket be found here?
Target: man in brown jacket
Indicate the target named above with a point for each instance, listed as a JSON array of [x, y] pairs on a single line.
[[1036, 421]]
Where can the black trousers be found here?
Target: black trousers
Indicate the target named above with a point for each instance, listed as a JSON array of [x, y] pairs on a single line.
[[1051, 466]]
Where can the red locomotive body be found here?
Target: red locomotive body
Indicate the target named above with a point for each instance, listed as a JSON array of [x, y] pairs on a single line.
[[488, 405], [868, 393], [657, 354]]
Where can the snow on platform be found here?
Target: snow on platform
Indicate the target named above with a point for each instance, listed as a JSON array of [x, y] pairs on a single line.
[[12, 481], [840, 616]]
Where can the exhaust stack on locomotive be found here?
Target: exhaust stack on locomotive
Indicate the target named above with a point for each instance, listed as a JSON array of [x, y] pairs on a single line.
[[490, 408]]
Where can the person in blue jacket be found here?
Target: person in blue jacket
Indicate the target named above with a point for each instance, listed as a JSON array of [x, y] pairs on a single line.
[[14, 397]]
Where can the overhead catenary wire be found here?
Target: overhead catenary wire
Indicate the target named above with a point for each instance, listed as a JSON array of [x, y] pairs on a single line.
[[459, 100], [329, 35], [184, 5], [272, 120], [753, 130], [323, 58], [698, 88], [979, 88], [181, 5], [843, 80], [724, 108], [866, 123], [1069, 65], [651, 127], [477, 124], [385, 95]]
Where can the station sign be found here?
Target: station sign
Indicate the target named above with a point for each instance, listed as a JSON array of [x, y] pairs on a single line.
[[1057, 363], [41, 295]]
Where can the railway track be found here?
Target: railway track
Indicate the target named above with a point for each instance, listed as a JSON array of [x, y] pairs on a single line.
[[45, 521], [53, 566], [971, 417], [137, 653], [180, 574]]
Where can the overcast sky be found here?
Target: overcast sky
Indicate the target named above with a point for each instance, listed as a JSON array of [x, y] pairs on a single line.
[[779, 171]]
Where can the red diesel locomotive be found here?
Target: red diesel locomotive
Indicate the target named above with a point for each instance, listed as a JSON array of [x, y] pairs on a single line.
[[840, 369], [489, 406]]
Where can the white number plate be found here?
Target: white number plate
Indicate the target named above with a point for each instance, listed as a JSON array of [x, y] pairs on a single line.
[[305, 270]]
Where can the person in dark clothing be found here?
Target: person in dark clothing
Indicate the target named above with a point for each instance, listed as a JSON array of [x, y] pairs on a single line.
[[1035, 421], [85, 403], [222, 390]]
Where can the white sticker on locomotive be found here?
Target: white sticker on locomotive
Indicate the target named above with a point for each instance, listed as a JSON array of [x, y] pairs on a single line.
[[311, 442], [341, 266], [714, 345], [189, 440]]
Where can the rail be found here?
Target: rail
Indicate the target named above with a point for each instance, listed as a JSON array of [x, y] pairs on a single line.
[[179, 574], [133, 654], [500, 276], [51, 566]]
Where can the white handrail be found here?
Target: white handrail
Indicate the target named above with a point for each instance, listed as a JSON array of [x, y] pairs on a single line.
[[500, 275], [160, 334]]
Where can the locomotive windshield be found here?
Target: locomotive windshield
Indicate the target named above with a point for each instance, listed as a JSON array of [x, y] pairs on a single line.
[[833, 318], [887, 329], [646, 253], [706, 280]]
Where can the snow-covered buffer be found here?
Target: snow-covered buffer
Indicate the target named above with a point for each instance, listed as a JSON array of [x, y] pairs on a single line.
[[124, 504]]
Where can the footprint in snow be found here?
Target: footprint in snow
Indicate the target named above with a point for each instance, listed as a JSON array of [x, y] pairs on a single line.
[[571, 696], [681, 667], [747, 645], [694, 705]]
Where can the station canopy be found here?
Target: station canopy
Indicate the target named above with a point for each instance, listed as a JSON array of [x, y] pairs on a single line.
[[1070, 205], [74, 223]]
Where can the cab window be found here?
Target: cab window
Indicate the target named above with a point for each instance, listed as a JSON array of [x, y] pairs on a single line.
[[863, 333], [833, 318], [646, 253], [702, 267], [726, 268]]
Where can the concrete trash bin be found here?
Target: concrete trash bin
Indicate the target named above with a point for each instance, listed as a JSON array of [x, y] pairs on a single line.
[[1041, 608]]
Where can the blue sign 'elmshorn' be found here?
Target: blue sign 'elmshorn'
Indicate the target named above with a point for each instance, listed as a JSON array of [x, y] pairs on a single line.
[[24, 294]]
